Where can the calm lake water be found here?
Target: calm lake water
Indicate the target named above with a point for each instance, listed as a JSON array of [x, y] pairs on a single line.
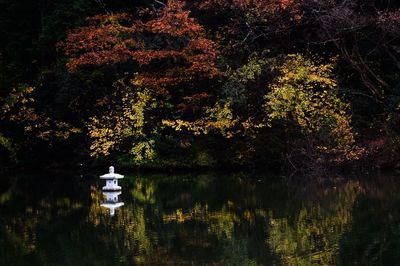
[[206, 219]]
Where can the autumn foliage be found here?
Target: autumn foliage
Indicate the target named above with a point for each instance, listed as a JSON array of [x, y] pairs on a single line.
[[171, 39], [300, 83], [168, 54]]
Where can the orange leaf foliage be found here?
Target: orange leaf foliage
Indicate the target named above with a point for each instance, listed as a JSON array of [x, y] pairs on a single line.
[[185, 54], [175, 21]]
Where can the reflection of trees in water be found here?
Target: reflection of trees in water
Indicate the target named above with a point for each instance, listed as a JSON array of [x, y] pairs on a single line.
[[310, 233], [125, 233], [207, 220], [28, 232], [165, 222], [374, 237]]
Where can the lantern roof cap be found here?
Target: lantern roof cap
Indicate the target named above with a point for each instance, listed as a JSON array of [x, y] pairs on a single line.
[[111, 174]]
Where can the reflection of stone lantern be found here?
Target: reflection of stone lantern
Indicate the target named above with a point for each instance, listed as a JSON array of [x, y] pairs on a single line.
[[112, 201], [111, 180]]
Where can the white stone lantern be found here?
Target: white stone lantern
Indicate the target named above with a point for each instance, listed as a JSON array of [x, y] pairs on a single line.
[[111, 180], [112, 201]]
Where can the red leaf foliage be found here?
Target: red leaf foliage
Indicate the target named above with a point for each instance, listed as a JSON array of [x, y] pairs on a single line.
[[169, 49]]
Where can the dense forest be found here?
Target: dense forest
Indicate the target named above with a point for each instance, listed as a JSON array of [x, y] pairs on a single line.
[[300, 84]]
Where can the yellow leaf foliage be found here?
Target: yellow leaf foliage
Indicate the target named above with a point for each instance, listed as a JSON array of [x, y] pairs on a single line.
[[125, 120], [217, 119], [305, 96]]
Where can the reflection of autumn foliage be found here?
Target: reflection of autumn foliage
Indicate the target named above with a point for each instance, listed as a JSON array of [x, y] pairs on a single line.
[[171, 39], [311, 235]]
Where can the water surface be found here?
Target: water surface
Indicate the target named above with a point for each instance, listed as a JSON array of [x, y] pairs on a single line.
[[202, 219]]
